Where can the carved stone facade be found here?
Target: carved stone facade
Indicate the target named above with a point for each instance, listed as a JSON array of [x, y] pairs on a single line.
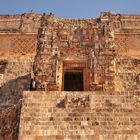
[[87, 42], [93, 46], [86, 73]]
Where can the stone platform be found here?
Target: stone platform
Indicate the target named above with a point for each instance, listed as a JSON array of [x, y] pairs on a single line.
[[80, 116]]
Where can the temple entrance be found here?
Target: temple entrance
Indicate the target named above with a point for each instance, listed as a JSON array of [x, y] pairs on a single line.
[[73, 81], [75, 76]]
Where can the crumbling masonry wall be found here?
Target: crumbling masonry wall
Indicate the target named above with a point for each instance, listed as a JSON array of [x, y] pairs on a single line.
[[18, 39], [9, 122]]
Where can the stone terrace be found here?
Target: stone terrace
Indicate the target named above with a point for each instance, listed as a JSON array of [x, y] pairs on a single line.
[[79, 116]]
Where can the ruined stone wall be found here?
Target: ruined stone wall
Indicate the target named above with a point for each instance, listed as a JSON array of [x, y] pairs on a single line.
[[127, 76], [9, 122], [18, 41], [127, 62], [18, 34], [80, 116], [15, 70], [23, 23], [17, 53], [126, 30], [15, 77]]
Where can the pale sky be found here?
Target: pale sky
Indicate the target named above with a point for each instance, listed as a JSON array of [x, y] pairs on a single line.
[[70, 8]]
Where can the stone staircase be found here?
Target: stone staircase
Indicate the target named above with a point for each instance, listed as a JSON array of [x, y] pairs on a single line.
[[79, 116]]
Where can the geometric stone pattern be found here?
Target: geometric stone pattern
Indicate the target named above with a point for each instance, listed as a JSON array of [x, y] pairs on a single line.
[[17, 45], [127, 74], [128, 44], [122, 44], [23, 46]]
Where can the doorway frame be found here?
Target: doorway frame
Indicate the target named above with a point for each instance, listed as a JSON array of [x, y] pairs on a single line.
[[82, 66]]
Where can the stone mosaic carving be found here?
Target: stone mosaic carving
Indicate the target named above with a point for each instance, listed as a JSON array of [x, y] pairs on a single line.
[[23, 46], [61, 40]]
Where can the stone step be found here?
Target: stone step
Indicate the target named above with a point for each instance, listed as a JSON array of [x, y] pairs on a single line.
[[83, 115], [60, 137]]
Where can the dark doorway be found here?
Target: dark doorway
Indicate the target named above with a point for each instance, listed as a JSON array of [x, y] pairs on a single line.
[[73, 81]]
